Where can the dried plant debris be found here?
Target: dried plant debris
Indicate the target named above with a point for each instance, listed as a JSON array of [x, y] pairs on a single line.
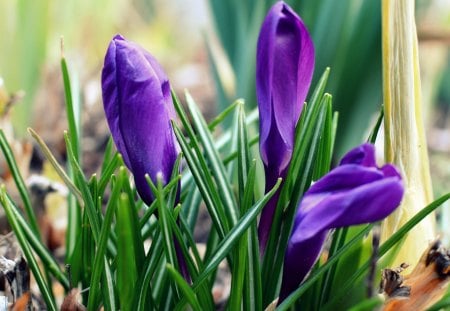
[[17, 274], [16, 294], [49, 200], [9, 247], [423, 287], [71, 301], [392, 283]]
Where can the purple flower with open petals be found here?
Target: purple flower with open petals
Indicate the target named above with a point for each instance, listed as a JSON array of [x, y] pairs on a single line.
[[355, 192], [138, 107], [284, 69]]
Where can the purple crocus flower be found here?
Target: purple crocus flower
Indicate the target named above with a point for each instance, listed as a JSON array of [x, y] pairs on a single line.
[[138, 107], [284, 69], [355, 192]]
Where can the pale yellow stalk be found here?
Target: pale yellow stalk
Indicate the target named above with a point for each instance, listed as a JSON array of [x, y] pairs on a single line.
[[405, 143]]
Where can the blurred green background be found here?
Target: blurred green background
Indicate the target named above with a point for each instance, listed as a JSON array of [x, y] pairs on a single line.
[[208, 46]]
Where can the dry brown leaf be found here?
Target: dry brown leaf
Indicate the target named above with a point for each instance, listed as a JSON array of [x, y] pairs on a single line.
[[423, 287]]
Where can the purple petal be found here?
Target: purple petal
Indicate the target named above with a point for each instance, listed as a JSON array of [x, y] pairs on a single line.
[[348, 195], [366, 203], [110, 97], [139, 108], [342, 178], [362, 155], [298, 261]]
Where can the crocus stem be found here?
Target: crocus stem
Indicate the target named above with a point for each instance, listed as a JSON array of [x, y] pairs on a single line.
[[265, 222], [182, 262], [182, 265]]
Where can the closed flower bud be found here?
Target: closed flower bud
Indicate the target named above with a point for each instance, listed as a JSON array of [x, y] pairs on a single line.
[[139, 109]]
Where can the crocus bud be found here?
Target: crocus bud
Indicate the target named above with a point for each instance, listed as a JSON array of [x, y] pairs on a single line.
[[355, 192], [284, 68], [138, 107], [405, 143]]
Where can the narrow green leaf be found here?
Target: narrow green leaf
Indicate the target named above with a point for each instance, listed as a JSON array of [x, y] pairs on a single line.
[[12, 164], [74, 208], [231, 238], [233, 155], [232, 147], [239, 268], [109, 290], [243, 156], [211, 244], [188, 293], [221, 116], [320, 87], [185, 230], [223, 141], [87, 253], [84, 188], [107, 171], [99, 261], [75, 262], [161, 285], [253, 289], [249, 187], [144, 296], [171, 186], [191, 206], [212, 156], [238, 272], [204, 294], [165, 227], [59, 170], [206, 188], [334, 129], [176, 234], [337, 242], [201, 173], [252, 286], [324, 152], [72, 109], [133, 218], [127, 272], [108, 155], [373, 135]]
